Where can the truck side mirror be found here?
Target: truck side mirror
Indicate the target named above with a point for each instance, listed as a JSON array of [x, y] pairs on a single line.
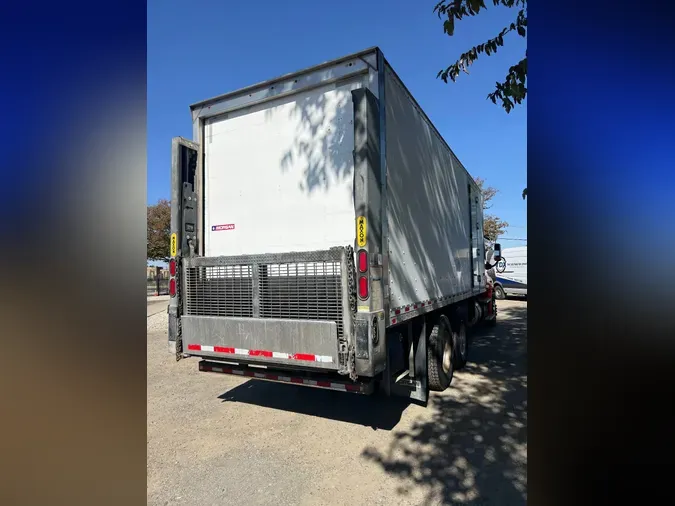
[[497, 252]]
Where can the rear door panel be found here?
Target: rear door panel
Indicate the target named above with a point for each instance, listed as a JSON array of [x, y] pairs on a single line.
[[279, 175]]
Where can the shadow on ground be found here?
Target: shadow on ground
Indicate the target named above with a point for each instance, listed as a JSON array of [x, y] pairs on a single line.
[[372, 411], [473, 450]]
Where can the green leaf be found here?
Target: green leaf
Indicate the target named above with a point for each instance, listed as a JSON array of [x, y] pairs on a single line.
[[449, 26]]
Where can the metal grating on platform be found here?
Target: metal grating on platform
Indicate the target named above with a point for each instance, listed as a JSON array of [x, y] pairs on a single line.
[[264, 287], [219, 291]]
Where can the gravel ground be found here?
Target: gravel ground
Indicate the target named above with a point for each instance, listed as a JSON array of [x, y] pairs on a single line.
[[158, 322], [217, 439]]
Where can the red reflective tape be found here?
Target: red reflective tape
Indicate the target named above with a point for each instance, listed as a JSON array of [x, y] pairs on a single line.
[[249, 373], [407, 308], [255, 353], [398, 311], [259, 353], [415, 306], [227, 371], [323, 384], [353, 388], [272, 377], [296, 380], [422, 304], [393, 320], [304, 356]]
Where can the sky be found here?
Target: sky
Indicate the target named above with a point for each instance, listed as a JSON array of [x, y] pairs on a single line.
[[203, 48]]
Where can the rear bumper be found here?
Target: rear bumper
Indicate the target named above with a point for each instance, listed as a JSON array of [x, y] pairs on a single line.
[[326, 382]]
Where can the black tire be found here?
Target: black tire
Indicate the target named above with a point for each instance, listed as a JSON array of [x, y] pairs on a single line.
[[500, 294], [493, 322], [460, 341], [439, 343]]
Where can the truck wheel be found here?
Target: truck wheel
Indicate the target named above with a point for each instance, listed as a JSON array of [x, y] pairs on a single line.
[[499, 292], [461, 344], [439, 356], [493, 322]]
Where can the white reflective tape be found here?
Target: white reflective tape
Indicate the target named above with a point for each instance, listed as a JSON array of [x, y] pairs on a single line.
[[217, 369], [206, 348], [309, 382], [276, 354], [240, 373], [338, 386], [239, 351], [323, 358], [259, 375], [285, 378]]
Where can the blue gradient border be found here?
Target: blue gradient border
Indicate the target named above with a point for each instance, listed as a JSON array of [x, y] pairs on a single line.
[[72, 206], [601, 203]]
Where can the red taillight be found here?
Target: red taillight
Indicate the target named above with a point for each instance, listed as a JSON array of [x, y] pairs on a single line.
[[363, 287], [172, 267], [363, 261], [172, 287]]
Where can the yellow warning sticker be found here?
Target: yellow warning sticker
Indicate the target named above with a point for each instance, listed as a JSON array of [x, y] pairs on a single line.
[[174, 245], [361, 231]]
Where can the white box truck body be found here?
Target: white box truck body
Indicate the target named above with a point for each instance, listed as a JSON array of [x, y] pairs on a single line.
[[324, 233], [511, 273]]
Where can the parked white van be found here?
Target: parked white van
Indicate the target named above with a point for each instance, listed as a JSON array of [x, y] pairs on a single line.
[[511, 273]]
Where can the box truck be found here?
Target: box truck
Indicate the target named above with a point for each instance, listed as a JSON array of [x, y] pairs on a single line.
[[325, 234]]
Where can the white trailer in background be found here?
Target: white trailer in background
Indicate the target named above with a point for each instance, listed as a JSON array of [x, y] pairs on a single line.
[[324, 234], [511, 273]]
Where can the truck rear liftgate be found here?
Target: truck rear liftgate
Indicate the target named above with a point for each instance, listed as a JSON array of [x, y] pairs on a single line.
[[279, 309]]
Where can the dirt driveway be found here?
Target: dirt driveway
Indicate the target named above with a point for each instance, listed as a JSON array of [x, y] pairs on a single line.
[[216, 439]]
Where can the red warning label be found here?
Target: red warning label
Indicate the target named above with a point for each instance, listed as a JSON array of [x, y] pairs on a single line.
[[218, 228]]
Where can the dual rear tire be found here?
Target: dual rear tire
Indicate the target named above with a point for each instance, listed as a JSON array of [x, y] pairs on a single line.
[[447, 351]]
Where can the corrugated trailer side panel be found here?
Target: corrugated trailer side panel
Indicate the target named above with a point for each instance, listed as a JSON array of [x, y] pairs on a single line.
[[428, 209]]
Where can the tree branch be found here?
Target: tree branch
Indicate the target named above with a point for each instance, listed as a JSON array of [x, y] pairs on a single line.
[[488, 47], [512, 91], [457, 9]]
